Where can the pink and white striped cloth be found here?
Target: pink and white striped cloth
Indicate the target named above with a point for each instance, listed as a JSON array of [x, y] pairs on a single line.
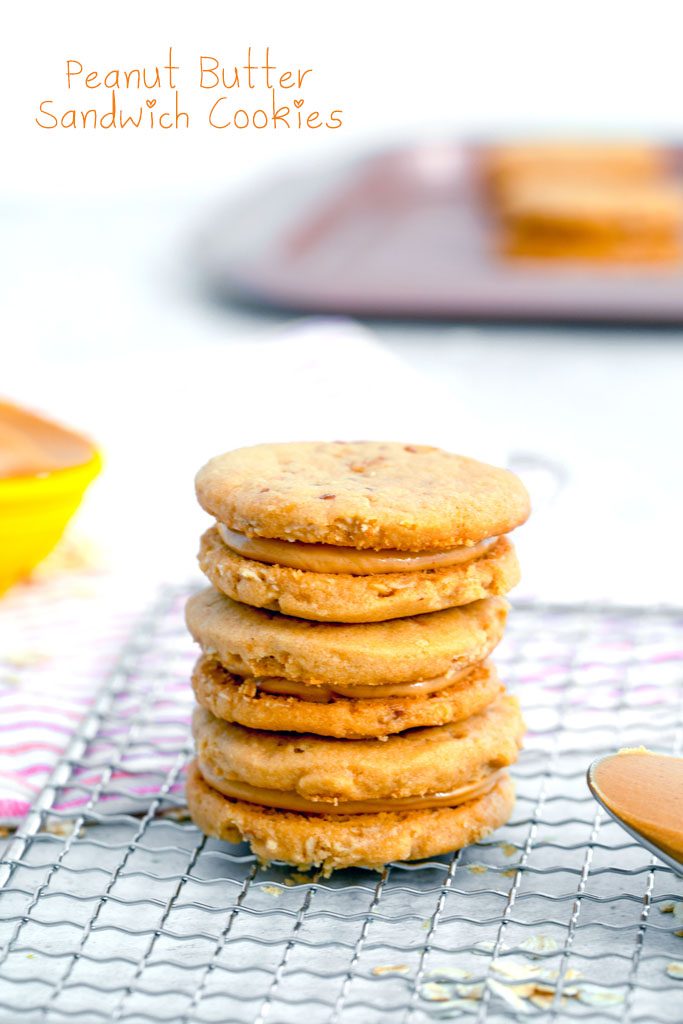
[[59, 638]]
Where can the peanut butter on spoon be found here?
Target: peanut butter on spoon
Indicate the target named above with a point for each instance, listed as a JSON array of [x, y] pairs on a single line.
[[644, 792]]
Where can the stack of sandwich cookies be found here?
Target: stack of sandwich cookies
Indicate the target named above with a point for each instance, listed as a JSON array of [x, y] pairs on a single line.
[[353, 736]]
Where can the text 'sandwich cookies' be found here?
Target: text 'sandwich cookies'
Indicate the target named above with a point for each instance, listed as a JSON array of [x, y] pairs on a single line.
[[348, 713]]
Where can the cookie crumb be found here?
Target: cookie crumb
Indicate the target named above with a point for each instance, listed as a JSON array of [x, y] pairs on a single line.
[[596, 995], [176, 813], [299, 878], [390, 969], [61, 827], [489, 945], [435, 993], [508, 995], [674, 907], [539, 944], [449, 974], [544, 1000]]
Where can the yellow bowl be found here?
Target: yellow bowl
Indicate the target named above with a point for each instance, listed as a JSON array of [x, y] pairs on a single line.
[[34, 511]]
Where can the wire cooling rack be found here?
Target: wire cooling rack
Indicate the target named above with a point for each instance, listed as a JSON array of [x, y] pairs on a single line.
[[113, 907]]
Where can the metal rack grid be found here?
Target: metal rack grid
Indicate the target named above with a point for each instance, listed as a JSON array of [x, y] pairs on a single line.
[[113, 907]]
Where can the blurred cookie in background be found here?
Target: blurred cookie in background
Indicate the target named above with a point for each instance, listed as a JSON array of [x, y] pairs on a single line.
[[506, 165], [634, 222], [591, 201]]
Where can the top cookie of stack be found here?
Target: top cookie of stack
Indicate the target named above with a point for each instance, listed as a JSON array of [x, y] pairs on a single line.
[[405, 530]]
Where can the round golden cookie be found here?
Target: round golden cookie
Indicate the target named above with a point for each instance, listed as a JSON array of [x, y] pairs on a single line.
[[361, 494], [439, 759], [341, 597], [254, 642], [358, 840], [230, 698]]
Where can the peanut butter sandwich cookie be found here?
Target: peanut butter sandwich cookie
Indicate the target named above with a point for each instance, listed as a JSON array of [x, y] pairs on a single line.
[[254, 643], [313, 801], [348, 712], [360, 531]]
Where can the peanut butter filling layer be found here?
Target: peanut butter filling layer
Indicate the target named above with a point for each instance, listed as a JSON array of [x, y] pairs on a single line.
[[30, 445], [290, 801], [324, 694], [338, 560], [645, 790]]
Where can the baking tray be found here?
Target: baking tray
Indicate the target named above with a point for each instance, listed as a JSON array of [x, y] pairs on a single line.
[[113, 907], [407, 233]]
